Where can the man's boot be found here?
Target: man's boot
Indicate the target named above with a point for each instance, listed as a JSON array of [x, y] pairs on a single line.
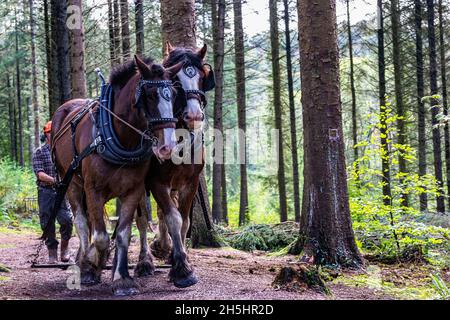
[[65, 257], [52, 256]]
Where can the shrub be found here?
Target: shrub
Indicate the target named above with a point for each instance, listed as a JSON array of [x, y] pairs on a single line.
[[16, 184]]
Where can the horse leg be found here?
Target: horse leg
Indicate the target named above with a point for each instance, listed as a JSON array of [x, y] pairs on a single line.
[[186, 200], [123, 284], [145, 266], [97, 254], [75, 197], [162, 244], [181, 272]]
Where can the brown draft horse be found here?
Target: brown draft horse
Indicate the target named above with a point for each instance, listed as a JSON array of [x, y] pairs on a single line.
[[167, 179], [99, 181]]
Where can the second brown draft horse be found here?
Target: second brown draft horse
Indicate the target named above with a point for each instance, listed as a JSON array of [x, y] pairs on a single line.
[[174, 185]]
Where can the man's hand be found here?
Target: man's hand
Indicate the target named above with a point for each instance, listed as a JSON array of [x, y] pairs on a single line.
[[45, 178]]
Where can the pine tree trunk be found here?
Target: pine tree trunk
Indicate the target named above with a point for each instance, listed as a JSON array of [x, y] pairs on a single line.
[[52, 90], [178, 23], [352, 88], [178, 27], [325, 209], [440, 204], [30, 129], [34, 86], [239, 61], [401, 131], [12, 120], [112, 52], [275, 56], [218, 21], [19, 94], [420, 94], [385, 163], [125, 30], [139, 17], [224, 194], [116, 20], [77, 64], [444, 96], [60, 37], [294, 154]]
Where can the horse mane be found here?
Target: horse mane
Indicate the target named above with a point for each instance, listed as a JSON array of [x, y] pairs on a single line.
[[183, 54], [120, 74]]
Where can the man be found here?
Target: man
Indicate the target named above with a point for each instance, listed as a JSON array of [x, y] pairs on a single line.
[[45, 172]]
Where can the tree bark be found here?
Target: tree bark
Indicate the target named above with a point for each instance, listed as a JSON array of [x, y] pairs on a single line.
[[30, 129], [112, 52], [116, 20], [125, 30], [224, 197], [50, 61], [60, 37], [239, 61], [420, 94], [444, 96], [218, 21], [178, 27], [34, 86], [19, 93], [275, 56], [385, 163], [12, 120], [139, 22], [440, 204], [401, 131], [178, 23], [77, 64], [352, 89], [292, 116], [326, 233]]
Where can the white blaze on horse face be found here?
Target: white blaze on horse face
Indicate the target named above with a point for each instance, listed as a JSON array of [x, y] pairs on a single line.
[[193, 108], [166, 137]]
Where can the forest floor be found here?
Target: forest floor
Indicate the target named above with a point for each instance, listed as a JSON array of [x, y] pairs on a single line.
[[223, 273]]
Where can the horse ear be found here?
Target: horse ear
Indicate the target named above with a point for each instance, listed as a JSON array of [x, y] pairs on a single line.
[[209, 82], [169, 48], [143, 69], [202, 51], [173, 70]]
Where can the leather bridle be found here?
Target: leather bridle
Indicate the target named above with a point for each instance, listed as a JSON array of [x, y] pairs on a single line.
[[165, 90]]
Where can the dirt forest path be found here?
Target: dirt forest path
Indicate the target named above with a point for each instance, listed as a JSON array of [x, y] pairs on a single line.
[[223, 274]]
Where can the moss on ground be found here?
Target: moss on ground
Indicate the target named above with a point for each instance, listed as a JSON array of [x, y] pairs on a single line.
[[408, 282]]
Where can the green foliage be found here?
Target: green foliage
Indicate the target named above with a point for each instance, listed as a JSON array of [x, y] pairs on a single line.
[[16, 184], [440, 286], [263, 237], [392, 232]]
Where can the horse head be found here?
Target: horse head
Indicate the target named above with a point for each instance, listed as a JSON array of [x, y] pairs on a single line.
[[155, 95], [195, 78]]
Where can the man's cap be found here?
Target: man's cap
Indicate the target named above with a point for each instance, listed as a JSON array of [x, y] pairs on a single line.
[[48, 127]]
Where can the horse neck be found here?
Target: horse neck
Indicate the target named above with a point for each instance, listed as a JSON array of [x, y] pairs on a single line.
[[126, 111]]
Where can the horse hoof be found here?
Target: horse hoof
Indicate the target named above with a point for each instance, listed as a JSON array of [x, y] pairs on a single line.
[[158, 251], [188, 281], [89, 279], [123, 292], [124, 287], [144, 269]]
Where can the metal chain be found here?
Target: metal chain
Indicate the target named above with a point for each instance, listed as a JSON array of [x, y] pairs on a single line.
[[35, 256]]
